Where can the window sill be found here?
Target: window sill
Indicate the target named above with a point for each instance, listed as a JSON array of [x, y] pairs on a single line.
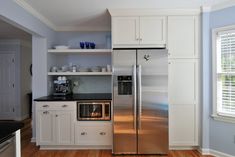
[[223, 118]]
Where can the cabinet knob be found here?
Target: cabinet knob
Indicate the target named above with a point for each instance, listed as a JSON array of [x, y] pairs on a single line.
[[83, 133], [102, 133], [140, 39], [45, 112], [64, 105], [56, 115], [45, 106]]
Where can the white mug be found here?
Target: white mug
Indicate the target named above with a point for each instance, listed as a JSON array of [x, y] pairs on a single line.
[[109, 68]]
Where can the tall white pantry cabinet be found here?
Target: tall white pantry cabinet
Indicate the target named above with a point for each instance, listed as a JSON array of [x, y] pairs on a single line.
[[178, 31], [183, 46]]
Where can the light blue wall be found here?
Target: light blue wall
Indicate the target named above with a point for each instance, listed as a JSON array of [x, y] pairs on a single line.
[[221, 134], [99, 84]]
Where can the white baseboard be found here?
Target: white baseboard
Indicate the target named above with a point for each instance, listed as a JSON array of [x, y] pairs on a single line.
[[183, 147], [33, 139], [74, 147], [214, 153]]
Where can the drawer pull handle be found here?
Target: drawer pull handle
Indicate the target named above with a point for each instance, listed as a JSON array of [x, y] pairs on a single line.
[[45, 112], [45, 106], [102, 133], [64, 105], [83, 133]]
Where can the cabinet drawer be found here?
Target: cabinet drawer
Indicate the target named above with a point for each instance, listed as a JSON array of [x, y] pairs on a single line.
[[56, 105], [94, 135]]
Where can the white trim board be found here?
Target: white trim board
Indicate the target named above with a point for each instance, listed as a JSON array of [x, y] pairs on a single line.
[[214, 153]]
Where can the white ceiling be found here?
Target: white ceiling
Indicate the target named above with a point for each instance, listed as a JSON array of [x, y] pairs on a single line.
[[75, 15]]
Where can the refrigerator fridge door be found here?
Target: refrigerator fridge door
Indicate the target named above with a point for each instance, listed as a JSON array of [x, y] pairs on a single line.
[[124, 102], [152, 81]]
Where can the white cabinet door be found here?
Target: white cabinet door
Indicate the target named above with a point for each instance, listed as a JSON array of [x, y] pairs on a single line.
[[183, 36], [182, 125], [152, 30], [64, 127], [182, 81], [183, 102], [125, 30], [45, 127], [55, 123]]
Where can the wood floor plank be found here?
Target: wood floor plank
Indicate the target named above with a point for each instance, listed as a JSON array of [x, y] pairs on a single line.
[[31, 150]]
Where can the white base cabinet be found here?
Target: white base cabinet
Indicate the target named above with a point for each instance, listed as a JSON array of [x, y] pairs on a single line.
[[58, 128], [55, 123], [93, 133]]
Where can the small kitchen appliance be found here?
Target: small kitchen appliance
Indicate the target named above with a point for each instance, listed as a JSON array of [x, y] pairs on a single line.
[[62, 87], [94, 111]]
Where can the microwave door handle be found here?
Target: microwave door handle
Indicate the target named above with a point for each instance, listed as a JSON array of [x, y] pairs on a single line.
[[139, 95], [134, 96]]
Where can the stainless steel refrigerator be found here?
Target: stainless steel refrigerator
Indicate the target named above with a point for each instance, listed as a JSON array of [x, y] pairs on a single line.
[[140, 102]]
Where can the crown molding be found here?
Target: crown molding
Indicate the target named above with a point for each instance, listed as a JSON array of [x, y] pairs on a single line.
[[153, 11], [35, 13], [205, 9], [223, 5]]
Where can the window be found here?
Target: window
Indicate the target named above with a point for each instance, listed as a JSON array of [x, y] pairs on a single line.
[[224, 73]]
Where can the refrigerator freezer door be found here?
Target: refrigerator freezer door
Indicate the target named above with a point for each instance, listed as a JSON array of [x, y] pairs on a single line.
[[124, 102], [152, 69]]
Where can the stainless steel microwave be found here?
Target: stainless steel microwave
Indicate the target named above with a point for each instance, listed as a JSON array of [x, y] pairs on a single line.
[[94, 111]]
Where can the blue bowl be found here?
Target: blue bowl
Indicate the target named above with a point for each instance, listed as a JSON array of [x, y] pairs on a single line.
[[82, 45]]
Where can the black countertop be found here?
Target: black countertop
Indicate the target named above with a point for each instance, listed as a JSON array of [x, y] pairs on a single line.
[[77, 97], [9, 127]]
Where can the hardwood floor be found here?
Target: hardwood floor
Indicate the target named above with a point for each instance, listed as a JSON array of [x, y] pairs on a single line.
[[31, 150]]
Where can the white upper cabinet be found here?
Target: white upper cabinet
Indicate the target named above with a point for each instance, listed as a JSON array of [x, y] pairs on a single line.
[[138, 31], [125, 30], [152, 30], [183, 36]]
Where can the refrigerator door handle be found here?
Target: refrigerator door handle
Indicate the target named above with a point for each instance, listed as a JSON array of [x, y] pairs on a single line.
[[139, 95], [135, 97]]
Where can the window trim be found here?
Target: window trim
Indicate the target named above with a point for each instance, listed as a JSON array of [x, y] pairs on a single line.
[[215, 115]]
